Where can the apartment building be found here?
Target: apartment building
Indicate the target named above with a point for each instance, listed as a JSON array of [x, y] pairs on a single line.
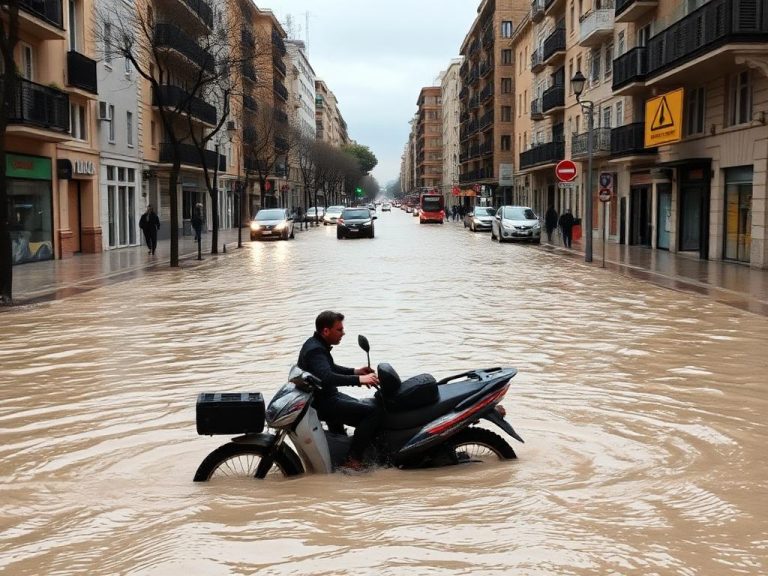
[[488, 101], [302, 96], [429, 139], [703, 194], [329, 123], [122, 195], [450, 86], [51, 142]]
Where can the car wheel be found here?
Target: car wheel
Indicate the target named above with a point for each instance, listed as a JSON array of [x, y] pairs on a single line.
[[339, 235], [493, 234], [292, 235], [371, 236]]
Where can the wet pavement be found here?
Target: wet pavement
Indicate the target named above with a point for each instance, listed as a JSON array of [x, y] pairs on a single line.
[[643, 411], [726, 282]]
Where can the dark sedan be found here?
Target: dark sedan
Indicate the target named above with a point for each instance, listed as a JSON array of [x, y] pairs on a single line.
[[355, 222]]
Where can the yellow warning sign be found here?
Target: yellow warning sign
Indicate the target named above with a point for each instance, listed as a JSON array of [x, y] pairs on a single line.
[[664, 119]]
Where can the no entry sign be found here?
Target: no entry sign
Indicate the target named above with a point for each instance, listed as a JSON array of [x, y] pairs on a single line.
[[565, 171]]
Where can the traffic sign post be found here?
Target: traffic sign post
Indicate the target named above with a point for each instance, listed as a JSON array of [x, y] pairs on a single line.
[[604, 194], [565, 171]]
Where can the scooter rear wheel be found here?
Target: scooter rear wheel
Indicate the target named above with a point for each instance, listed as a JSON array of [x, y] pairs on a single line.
[[236, 460], [480, 445]]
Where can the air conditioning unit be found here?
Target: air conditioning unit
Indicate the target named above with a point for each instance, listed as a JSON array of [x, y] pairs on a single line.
[[231, 125], [104, 111]]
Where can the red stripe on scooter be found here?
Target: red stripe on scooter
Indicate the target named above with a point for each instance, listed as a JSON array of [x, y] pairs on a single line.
[[468, 412]]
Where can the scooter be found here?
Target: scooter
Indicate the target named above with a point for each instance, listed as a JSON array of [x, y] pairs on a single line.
[[427, 423]]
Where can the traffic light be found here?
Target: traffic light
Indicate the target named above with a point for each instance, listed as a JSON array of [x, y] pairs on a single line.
[[359, 192]]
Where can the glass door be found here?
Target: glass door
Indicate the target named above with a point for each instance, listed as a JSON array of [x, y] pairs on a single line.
[[738, 222], [664, 216]]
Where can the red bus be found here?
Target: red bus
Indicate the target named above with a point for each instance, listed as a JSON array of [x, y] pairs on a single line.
[[431, 208]]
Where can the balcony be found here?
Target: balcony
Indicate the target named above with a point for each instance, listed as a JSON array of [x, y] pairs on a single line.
[[701, 44], [179, 100], [542, 155], [596, 26], [474, 102], [554, 47], [537, 111], [43, 18], [279, 65], [195, 15], [629, 71], [175, 40], [537, 60], [486, 121], [249, 72], [486, 93], [537, 11], [486, 66], [280, 116], [553, 6], [277, 42], [487, 38], [553, 99], [81, 72], [280, 89], [632, 10], [281, 145], [38, 106], [629, 140], [202, 10], [249, 103], [190, 156], [601, 143]]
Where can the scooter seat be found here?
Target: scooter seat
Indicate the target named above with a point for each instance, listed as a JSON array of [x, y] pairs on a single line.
[[450, 395]]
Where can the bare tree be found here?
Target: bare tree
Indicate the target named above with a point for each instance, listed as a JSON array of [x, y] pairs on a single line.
[[189, 72], [9, 38]]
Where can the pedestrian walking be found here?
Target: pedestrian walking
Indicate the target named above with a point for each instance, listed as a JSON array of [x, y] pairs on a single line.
[[566, 222], [300, 216], [197, 222], [550, 222], [150, 224]]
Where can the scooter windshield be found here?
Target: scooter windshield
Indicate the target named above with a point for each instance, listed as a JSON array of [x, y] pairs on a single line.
[[286, 405]]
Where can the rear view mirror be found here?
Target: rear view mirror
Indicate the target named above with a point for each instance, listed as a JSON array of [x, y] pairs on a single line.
[[362, 341]]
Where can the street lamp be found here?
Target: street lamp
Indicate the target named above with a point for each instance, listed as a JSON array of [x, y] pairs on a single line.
[[588, 108]]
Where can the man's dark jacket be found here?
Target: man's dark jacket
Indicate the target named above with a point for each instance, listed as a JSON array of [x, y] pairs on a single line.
[[315, 357]]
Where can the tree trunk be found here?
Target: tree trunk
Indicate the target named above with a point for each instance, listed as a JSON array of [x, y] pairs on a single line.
[[215, 220], [173, 185]]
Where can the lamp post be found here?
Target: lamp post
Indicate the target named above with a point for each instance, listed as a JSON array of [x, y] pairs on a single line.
[[588, 108]]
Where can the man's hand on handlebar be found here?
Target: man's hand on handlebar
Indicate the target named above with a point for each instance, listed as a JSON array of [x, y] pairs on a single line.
[[363, 370], [369, 380]]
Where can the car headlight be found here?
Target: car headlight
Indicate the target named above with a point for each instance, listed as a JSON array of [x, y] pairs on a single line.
[[506, 224], [537, 226], [477, 221], [255, 227], [280, 226], [367, 223]]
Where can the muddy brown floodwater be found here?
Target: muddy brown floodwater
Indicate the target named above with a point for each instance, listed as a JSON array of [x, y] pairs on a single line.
[[643, 410]]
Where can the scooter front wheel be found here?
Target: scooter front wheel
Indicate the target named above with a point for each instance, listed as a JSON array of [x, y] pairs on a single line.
[[480, 445], [236, 460]]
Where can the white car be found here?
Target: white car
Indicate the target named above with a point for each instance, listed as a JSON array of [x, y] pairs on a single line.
[[332, 214], [386, 207], [516, 223], [314, 212]]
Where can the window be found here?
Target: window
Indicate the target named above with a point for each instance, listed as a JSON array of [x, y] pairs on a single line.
[[73, 26], [519, 104], [506, 142], [608, 59], [107, 43], [643, 35], [111, 123], [27, 62], [619, 114], [77, 121], [506, 85], [607, 117], [506, 29], [152, 131], [694, 111], [570, 75], [573, 19], [578, 64], [128, 67], [740, 98], [520, 62], [621, 43], [596, 64], [506, 56], [129, 128]]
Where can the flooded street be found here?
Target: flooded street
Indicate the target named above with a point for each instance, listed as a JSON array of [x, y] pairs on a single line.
[[643, 410]]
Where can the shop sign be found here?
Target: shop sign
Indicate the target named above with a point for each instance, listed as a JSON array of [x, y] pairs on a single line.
[[29, 167], [506, 174], [84, 167]]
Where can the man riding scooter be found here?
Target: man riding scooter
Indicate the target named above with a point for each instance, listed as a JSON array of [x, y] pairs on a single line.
[[333, 406]]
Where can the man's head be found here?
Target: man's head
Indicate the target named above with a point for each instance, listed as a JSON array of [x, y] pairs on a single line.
[[330, 326], [149, 207]]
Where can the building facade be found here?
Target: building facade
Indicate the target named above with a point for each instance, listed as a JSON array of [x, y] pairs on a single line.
[[329, 123], [488, 101], [450, 86], [52, 158], [429, 139], [703, 194]]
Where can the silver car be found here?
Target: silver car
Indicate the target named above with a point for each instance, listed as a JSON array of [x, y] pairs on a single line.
[[516, 223], [272, 223], [332, 214], [481, 218]]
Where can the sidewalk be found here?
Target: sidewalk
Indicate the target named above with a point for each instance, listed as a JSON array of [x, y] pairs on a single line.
[[726, 282]]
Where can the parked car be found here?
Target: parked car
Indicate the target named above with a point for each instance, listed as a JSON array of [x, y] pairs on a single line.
[[386, 207], [272, 223], [314, 212], [516, 223], [479, 218], [355, 222], [372, 207], [408, 209], [332, 214]]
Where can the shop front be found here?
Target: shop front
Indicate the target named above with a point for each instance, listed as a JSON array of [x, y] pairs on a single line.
[[120, 198], [738, 213], [30, 206], [79, 223]]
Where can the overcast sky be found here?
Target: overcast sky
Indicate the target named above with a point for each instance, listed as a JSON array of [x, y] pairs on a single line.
[[375, 57]]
